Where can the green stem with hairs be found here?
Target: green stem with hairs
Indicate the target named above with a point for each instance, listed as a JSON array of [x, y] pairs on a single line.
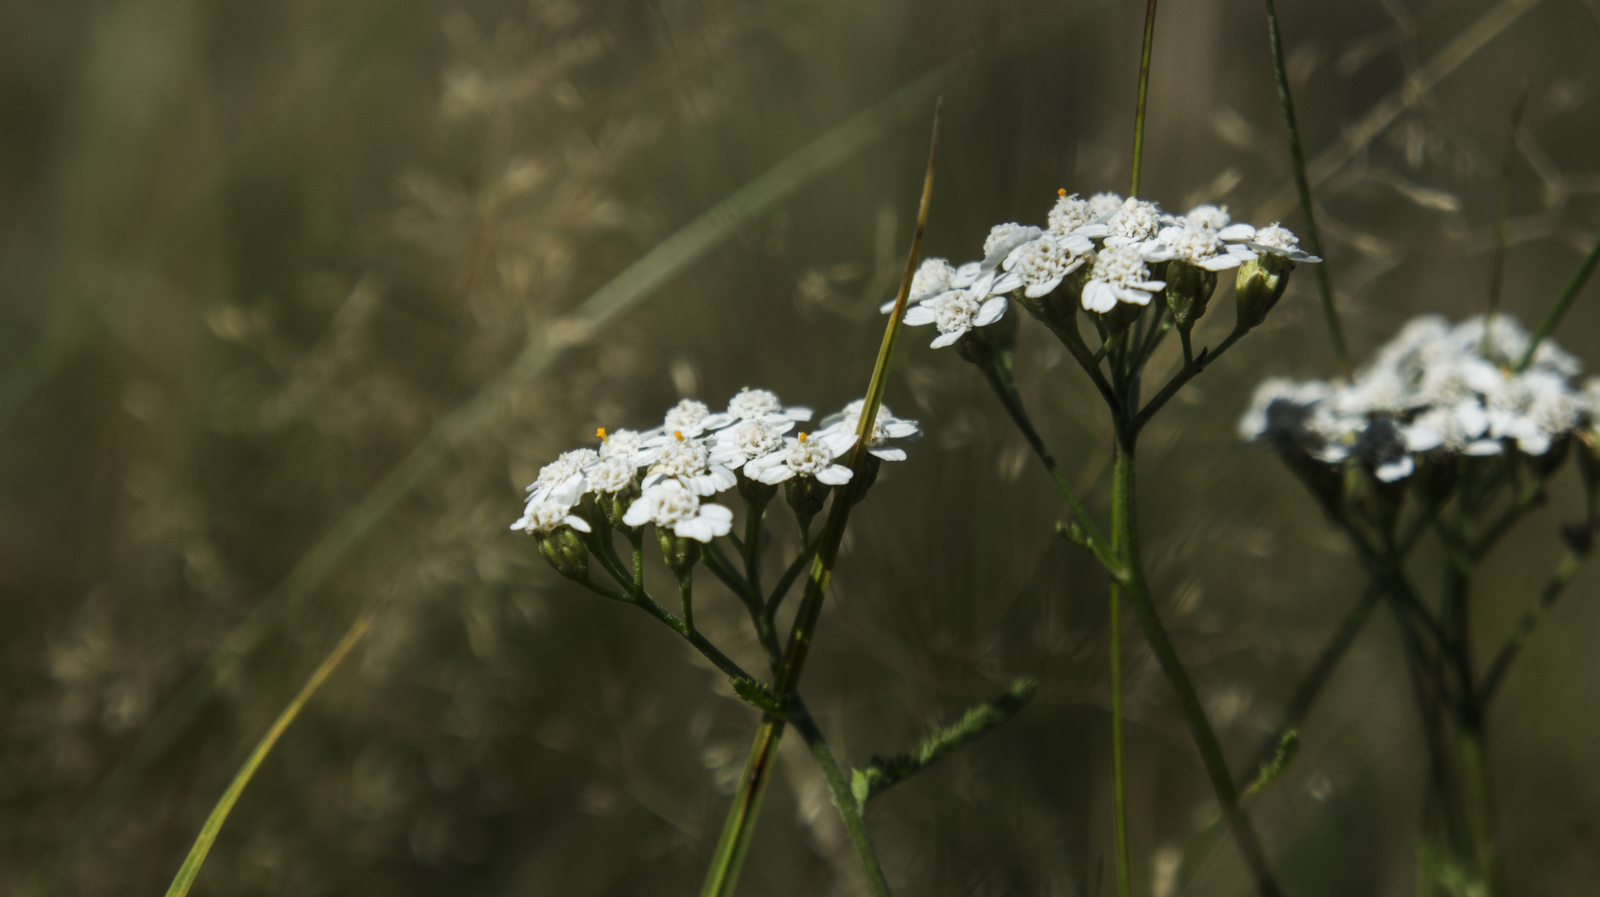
[[843, 798], [1303, 187], [1124, 542]]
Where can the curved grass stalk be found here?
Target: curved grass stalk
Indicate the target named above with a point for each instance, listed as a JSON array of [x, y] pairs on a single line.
[[1564, 302], [224, 806], [1303, 188], [1144, 92]]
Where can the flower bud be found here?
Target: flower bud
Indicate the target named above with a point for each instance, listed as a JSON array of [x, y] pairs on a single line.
[[1189, 289], [1119, 318], [680, 553], [806, 497], [1260, 285], [565, 551], [856, 489], [757, 493], [987, 345]]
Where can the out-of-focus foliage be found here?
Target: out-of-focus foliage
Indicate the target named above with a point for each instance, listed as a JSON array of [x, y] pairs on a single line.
[[250, 254]]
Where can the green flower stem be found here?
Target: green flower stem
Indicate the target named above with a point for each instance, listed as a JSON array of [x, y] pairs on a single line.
[[686, 595], [1508, 183], [636, 539], [1067, 332], [1568, 569], [843, 799], [754, 517], [1005, 388], [1303, 187], [649, 605], [1553, 317], [1125, 533], [1186, 373], [1144, 91], [1124, 538], [1310, 688], [1483, 833], [785, 582]]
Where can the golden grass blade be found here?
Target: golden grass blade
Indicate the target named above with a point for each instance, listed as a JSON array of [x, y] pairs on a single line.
[[219, 813]]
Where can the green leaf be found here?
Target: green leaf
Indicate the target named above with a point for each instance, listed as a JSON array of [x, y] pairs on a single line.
[[1288, 747], [974, 724], [759, 696]]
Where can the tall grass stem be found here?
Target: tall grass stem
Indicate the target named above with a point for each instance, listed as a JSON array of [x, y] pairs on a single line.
[[1144, 94]]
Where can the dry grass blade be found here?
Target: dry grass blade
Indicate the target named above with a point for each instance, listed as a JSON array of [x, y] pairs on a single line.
[[1356, 137], [219, 813]]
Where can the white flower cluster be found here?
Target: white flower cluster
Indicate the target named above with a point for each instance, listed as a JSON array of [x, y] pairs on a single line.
[[1435, 388], [696, 454], [1116, 239]]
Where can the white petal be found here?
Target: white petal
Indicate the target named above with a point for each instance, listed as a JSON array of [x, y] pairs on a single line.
[[1076, 242], [1132, 296], [947, 339], [1046, 288], [695, 528], [1221, 262], [1235, 233], [889, 454], [1482, 448], [637, 514], [991, 311], [1092, 231], [1007, 283], [1421, 437], [1396, 470], [716, 512], [835, 475], [717, 421], [837, 442], [919, 315], [966, 275], [578, 523], [887, 307], [797, 412], [1099, 296], [772, 476]]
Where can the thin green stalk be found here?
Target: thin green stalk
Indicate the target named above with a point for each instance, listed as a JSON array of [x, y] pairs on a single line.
[[785, 582], [1184, 375], [1123, 541], [1553, 317], [728, 858], [843, 798], [224, 806], [1124, 496], [686, 595], [1144, 90], [1482, 810], [1558, 583], [1005, 388], [1508, 184], [754, 516], [1303, 187]]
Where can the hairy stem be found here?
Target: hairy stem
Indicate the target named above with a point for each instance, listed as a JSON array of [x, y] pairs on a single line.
[[1124, 539], [843, 798]]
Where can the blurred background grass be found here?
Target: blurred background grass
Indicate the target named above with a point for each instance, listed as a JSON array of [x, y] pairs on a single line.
[[253, 255]]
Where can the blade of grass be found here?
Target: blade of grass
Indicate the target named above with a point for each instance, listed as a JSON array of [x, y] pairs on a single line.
[[1557, 311], [219, 813], [728, 860], [1354, 140], [1144, 92], [1303, 188], [1508, 183]]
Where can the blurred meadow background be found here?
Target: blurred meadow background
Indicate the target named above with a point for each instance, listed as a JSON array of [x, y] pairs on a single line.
[[295, 297]]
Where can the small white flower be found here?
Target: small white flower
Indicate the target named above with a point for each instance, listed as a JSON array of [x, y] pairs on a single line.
[[668, 503], [755, 404], [1103, 205], [933, 279], [1038, 267], [611, 475], [1457, 429], [1199, 245], [626, 445], [1136, 223], [1002, 239], [1210, 216], [803, 457], [1535, 408], [957, 313], [688, 418], [1271, 240], [688, 462], [746, 441], [1070, 214], [1119, 275], [540, 518], [843, 425], [562, 480]]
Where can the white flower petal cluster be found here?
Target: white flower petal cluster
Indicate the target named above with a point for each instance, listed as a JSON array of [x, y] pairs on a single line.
[[885, 427], [1429, 390], [1113, 237], [674, 470], [669, 503]]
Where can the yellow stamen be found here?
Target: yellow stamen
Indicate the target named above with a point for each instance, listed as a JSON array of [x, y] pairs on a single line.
[[1062, 191], [802, 437], [601, 432], [678, 435]]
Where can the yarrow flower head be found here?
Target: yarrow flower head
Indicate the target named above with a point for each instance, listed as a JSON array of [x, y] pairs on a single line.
[[688, 462], [562, 480], [746, 441], [756, 404], [1039, 266], [957, 313], [1119, 275], [687, 418], [1069, 214], [1273, 240], [1428, 391], [806, 457], [1135, 224], [1198, 244], [841, 429], [541, 518], [670, 504]]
